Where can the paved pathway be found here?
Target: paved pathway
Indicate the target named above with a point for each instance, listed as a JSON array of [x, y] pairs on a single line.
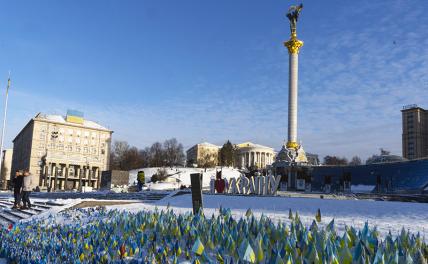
[[10, 216], [42, 202]]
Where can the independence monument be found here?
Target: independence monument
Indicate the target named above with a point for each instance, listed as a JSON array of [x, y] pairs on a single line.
[[292, 151]]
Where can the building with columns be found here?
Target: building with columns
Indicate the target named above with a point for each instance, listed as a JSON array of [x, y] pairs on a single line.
[[5, 168], [254, 155], [62, 153]]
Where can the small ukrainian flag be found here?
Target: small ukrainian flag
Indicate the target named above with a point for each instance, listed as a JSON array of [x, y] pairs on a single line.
[[198, 247]]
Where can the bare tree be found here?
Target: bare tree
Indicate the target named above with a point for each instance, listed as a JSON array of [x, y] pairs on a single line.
[[118, 153], [355, 161], [157, 157], [173, 152], [131, 159], [333, 160], [144, 157], [126, 157]]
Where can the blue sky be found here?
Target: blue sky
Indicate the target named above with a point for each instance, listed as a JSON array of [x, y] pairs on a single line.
[[217, 70]]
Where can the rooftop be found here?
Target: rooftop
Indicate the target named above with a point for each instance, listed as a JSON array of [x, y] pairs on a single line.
[[250, 144], [206, 144], [62, 120]]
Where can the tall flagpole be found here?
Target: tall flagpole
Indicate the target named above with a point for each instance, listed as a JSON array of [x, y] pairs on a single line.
[[4, 126]]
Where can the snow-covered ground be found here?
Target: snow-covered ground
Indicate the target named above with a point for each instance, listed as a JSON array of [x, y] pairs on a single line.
[[387, 216], [181, 176]]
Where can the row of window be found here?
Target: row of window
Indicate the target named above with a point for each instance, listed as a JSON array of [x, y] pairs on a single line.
[[77, 133], [72, 148], [70, 140], [72, 172]]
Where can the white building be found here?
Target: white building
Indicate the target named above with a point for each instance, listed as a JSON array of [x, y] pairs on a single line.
[[254, 155]]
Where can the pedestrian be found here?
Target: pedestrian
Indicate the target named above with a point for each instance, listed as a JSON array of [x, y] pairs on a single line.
[[26, 189], [141, 180], [17, 186]]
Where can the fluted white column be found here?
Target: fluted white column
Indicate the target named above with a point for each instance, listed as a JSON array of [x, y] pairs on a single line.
[[292, 97]]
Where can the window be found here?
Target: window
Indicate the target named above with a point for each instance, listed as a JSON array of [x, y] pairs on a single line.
[[86, 134], [41, 145], [42, 136], [70, 140], [85, 142], [69, 148], [103, 145], [70, 132], [52, 145], [85, 150], [78, 133], [78, 140], [61, 130], [103, 151], [78, 149], [71, 172], [60, 146], [61, 138]]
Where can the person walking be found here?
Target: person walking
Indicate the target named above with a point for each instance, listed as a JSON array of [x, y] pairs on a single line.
[[26, 189], [17, 186]]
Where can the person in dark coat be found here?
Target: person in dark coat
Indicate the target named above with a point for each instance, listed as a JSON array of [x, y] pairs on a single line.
[[17, 186]]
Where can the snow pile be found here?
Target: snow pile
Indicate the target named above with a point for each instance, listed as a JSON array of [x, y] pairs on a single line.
[[181, 176]]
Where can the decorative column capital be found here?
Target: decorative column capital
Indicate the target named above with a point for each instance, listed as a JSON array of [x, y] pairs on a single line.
[[292, 145], [293, 45]]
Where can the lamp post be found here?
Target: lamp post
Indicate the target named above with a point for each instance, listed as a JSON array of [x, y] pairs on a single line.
[[42, 164], [4, 124], [54, 136], [80, 178]]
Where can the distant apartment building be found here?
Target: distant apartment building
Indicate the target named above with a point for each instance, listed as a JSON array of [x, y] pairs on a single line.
[[203, 153], [63, 153], [415, 132], [6, 165], [254, 155]]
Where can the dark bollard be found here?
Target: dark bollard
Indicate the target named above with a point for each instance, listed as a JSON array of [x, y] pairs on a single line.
[[196, 181]]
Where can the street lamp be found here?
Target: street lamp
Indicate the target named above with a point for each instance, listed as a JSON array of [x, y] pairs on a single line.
[[42, 164], [80, 178], [54, 136]]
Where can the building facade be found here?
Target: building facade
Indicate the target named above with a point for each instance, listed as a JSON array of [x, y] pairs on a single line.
[[415, 132], [203, 154], [254, 155], [62, 153], [6, 165]]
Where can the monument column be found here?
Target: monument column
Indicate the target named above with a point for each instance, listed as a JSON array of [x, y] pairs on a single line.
[[293, 45]]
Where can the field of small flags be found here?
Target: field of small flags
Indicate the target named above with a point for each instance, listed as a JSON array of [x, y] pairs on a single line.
[[98, 235]]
